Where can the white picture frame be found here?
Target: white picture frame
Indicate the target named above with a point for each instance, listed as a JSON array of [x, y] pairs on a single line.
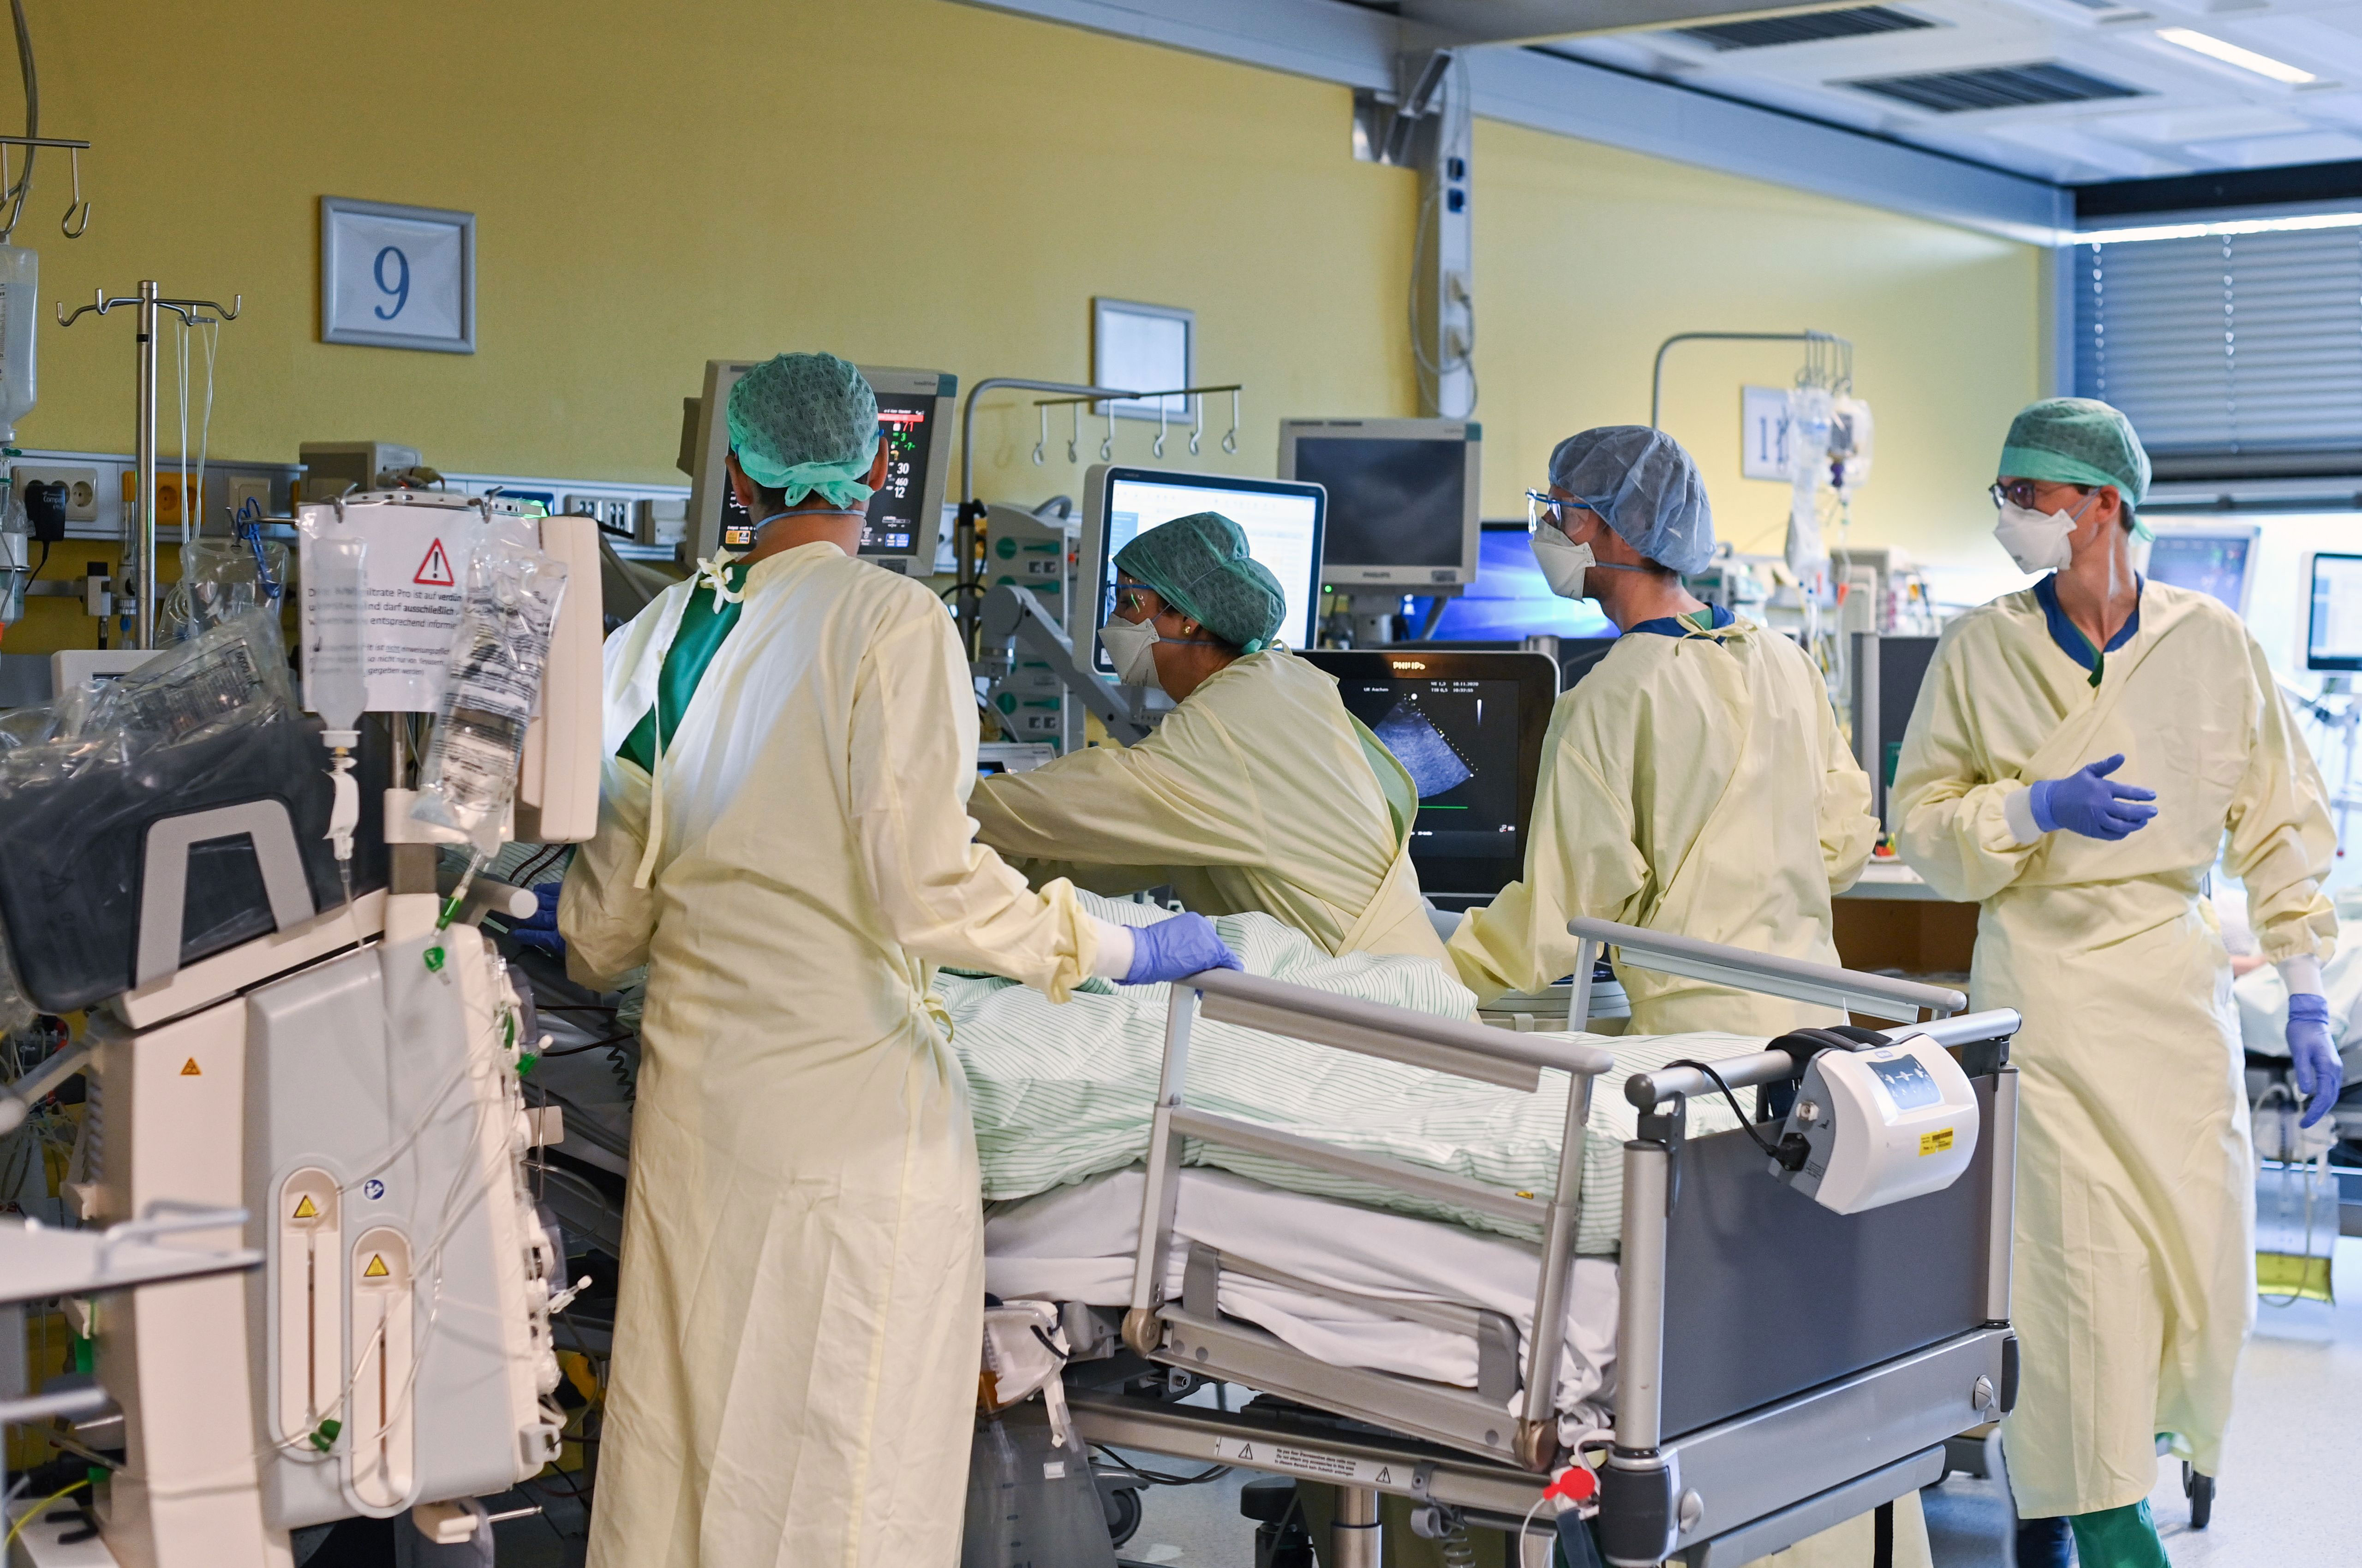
[[1764, 433], [1147, 348], [397, 277]]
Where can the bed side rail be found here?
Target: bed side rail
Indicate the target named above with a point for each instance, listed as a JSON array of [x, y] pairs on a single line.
[[1874, 996], [1398, 1035], [1647, 1091]]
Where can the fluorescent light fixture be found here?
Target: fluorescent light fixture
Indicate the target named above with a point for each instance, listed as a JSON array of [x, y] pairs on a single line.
[[2232, 54], [2213, 230]]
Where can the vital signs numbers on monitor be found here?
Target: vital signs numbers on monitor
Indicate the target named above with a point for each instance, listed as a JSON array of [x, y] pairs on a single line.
[[1404, 498], [2214, 559], [904, 521], [1282, 523]]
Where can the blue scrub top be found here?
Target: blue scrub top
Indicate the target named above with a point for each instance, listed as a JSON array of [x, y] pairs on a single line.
[[2069, 636], [1683, 625]]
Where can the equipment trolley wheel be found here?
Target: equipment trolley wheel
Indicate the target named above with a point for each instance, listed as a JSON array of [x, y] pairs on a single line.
[[2200, 1489]]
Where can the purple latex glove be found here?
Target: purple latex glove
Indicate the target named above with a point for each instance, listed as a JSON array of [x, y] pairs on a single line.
[[2087, 802], [1174, 948], [538, 930], [2319, 1074]]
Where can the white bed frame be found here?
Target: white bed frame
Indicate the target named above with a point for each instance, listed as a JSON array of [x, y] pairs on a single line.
[[1779, 1369]]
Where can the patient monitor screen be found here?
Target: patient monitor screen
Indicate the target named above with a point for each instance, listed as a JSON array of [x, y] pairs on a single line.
[[2335, 640], [1283, 529], [1396, 504], [891, 525]]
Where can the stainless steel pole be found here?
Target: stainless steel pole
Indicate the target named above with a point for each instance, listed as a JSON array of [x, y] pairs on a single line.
[[1355, 1533], [145, 458]]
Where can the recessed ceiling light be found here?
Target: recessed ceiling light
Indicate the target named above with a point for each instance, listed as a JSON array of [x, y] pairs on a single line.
[[2232, 54]]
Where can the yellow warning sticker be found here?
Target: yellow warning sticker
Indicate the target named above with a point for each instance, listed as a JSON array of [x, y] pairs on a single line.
[[377, 1269], [307, 1209], [188, 1069], [1934, 1142]]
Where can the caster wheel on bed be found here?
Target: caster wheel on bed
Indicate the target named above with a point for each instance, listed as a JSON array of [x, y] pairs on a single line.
[[2200, 1489], [1122, 1507]]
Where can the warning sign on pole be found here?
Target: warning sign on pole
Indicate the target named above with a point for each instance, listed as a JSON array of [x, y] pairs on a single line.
[[434, 571]]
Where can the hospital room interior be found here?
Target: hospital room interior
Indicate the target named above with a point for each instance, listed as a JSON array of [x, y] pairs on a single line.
[[1098, 783]]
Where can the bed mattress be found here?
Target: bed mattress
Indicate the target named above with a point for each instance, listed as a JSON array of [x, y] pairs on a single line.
[[1077, 1243]]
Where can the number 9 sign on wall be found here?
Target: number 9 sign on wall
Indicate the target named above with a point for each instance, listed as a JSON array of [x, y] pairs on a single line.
[[395, 277]]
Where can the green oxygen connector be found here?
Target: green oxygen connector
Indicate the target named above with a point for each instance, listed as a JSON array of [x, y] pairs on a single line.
[[323, 1436]]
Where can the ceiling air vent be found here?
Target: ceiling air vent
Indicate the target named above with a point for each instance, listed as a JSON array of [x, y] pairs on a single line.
[[1996, 87], [1768, 32]]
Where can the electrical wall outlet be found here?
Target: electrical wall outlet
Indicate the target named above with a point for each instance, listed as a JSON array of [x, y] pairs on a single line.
[[248, 495], [81, 482]]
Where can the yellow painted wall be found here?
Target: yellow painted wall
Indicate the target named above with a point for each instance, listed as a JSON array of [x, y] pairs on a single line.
[[914, 181], [1587, 258]]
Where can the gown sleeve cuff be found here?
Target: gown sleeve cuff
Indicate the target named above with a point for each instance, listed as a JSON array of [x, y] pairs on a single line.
[[1114, 961], [2017, 812], [2301, 975]]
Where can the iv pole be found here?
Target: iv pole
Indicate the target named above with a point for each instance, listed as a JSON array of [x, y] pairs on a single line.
[[192, 312]]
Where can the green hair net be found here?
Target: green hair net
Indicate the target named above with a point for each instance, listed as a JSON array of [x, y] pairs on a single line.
[[2078, 440], [1199, 564], [805, 423]]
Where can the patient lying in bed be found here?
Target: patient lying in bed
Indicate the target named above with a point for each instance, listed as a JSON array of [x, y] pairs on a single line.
[[1063, 1097]]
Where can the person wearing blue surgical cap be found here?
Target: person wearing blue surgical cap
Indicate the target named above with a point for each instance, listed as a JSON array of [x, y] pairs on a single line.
[[1694, 782]]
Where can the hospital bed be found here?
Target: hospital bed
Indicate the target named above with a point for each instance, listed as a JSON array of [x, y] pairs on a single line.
[[1777, 1368]]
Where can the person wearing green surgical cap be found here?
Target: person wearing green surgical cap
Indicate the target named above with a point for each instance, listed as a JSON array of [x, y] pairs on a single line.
[[783, 844], [1258, 791], [2134, 1284]]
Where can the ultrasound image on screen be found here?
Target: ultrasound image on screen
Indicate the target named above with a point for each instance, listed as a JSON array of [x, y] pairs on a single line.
[[1393, 504], [1458, 740], [1433, 763]]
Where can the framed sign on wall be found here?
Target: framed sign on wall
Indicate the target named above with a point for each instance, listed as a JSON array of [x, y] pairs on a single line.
[[396, 277]]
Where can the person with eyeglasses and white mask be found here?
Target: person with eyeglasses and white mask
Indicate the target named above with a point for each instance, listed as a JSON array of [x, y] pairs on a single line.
[[1694, 781], [2082, 754]]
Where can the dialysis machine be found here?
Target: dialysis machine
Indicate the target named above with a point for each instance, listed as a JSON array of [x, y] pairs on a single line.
[[292, 1014]]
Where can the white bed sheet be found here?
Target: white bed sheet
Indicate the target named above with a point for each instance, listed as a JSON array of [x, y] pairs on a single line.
[[1077, 1243]]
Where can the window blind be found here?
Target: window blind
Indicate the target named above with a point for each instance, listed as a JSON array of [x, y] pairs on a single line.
[[2236, 355]]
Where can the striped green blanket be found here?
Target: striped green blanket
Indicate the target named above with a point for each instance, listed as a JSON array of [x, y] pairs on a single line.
[[1064, 1092]]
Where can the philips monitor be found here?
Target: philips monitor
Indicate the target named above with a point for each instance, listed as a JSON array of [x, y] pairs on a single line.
[[902, 528], [2333, 639], [1508, 600], [2216, 559], [1468, 727], [1403, 498], [1282, 521]]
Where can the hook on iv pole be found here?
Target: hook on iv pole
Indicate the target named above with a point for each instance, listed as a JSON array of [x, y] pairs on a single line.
[[1107, 446], [1074, 439], [1159, 448], [1040, 447], [66, 224], [1230, 441]]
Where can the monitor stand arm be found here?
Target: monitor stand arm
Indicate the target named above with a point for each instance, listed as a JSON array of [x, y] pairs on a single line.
[[1012, 615]]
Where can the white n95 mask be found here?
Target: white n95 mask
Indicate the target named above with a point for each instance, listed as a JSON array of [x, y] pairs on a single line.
[[2039, 541], [1562, 561], [1133, 646]]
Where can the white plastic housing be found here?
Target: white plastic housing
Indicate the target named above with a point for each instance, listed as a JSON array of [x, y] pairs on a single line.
[[1883, 1125]]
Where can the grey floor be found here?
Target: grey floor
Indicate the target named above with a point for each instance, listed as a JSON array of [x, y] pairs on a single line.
[[2291, 1492]]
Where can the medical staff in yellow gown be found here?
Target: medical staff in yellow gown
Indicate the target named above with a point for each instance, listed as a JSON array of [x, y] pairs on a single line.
[[1693, 782], [798, 1320], [2133, 1285], [1257, 792]]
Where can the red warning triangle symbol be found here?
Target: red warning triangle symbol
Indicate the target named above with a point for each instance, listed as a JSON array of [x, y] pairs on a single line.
[[434, 571]]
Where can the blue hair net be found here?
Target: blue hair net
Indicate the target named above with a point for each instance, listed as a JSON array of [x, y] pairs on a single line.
[[806, 423], [1645, 487]]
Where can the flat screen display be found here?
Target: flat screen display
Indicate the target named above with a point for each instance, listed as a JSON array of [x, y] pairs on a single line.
[[2215, 565], [1281, 523], [1509, 600], [891, 524], [1391, 502], [2334, 635], [1467, 728]]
